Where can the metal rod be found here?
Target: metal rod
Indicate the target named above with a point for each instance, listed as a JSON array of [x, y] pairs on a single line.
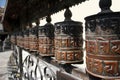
[[20, 63]]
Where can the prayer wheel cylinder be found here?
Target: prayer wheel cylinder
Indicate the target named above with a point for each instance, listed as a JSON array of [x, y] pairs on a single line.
[[26, 39], [33, 39], [13, 39], [18, 39], [68, 40], [46, 39], [21, 39], [103, 43], [41, 39]]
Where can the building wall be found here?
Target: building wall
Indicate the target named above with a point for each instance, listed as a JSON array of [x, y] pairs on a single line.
[[1, 11]]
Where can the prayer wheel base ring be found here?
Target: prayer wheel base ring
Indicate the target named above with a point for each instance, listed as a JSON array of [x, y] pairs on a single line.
[[70, 62], [100, 76], [46, 55]]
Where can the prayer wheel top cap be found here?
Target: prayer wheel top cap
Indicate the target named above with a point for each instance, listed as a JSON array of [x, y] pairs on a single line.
[[106, 12], [37, 22], [49, 27], [69, 26], [48, 24], [68, 20], [105, 6], [34, 31]]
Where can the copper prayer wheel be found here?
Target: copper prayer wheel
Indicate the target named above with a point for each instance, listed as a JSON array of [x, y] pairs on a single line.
[[26, 39], [17, 37], [103, 43], [13, 38], [40, 38], [68, 40], [46, 38], [21, 39], [33, 39], [45, 43]]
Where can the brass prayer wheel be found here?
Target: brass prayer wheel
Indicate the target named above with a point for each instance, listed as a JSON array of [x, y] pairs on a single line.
[[13, 38], [18, 39], [40, 38], [46, 38], [103, 43], [26, 39], [68, 40], [33, 40], [21, 39]]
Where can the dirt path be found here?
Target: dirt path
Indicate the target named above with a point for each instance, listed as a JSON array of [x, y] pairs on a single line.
[[4, 57]]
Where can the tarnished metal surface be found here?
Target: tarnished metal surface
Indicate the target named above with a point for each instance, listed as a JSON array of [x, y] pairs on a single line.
[[103, 43], [26, 39], [68, 40], [33, 39], [46, 38], [13, 38], [19, 39]]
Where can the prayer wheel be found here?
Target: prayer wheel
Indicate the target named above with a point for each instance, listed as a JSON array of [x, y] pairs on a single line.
[[103, 43], [26, 39], [21, 39], [13, 38], [40, 38], [33, 45], [18, 38], [68, 40], [46, 38]]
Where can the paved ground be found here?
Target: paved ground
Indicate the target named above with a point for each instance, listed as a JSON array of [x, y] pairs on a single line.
[[4, 57]]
